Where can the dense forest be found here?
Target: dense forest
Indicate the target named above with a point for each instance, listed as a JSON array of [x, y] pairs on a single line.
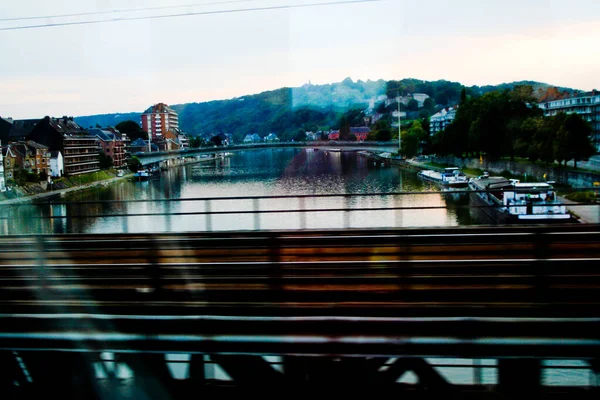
[[289, 111]]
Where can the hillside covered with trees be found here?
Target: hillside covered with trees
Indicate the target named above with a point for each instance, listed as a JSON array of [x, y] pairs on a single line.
[[289, 111]]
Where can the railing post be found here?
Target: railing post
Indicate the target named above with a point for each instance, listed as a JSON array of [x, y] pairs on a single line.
[[256, 207], [477, 372], [347, 212], [41, 261], [207, 206], [302, 208], [519, 376]]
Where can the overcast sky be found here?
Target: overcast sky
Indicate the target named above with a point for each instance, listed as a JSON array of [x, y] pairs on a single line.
[[123, 66]]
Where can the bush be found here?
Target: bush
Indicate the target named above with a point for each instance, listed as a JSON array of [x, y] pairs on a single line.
[[582, 197], [134, 164]]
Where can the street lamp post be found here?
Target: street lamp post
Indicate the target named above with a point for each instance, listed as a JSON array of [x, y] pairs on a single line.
[[399, 126]]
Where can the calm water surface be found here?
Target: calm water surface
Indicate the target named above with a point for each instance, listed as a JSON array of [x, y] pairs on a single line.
[[267, 172]]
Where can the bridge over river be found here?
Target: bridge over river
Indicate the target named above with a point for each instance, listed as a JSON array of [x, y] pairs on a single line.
[[293, 311], [156, 157]]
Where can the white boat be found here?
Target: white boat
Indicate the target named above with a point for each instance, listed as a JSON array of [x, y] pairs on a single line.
[[452, 177], [510, 201]]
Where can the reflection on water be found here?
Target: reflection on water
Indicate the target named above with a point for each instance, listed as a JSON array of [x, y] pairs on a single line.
[[267, 172]]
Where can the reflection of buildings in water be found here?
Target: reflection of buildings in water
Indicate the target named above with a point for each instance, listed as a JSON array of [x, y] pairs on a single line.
[[58, 225]]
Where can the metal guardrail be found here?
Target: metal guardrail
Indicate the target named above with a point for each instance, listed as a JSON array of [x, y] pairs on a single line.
[[256, 210], [343, 307], [450, 291]]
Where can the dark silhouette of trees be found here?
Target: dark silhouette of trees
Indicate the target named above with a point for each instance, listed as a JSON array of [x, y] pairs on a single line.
[[132, 130]]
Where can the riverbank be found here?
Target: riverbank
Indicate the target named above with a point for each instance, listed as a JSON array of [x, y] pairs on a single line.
[[585, 213], [29, 198]]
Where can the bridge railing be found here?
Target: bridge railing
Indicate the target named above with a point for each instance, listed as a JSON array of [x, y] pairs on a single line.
[[454, 291], [295, 211]]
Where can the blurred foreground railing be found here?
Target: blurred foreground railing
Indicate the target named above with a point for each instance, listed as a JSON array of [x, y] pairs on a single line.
[[340, 308], [211, 207]]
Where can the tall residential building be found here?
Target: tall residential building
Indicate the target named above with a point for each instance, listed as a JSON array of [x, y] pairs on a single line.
[[160, 119], [80, 150], [586, 105], [439, 122]]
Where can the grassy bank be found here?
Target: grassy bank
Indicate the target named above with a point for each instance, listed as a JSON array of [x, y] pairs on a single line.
[[72, 182], [84, 179]]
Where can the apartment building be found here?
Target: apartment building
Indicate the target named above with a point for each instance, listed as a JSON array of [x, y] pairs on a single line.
[[586, 105], [80, 150], [160, 119]]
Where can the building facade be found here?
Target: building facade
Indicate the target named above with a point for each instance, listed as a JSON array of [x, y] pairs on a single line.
[[360, 133], [160, 119], [79, 149], [588, 106], [112, 145], [12, 161], [57, 166], [37, 157], [438, 122]]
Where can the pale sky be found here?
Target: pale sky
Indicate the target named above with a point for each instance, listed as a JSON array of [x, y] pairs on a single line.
[[124, 66]]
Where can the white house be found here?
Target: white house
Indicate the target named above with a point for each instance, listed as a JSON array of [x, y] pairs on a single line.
[[271, 137], [420, 98], [57, 166], [252, 138], [442, 119]]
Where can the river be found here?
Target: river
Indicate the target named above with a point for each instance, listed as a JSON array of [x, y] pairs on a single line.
[[266, 172]]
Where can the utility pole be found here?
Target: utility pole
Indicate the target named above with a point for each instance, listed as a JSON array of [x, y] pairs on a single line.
[[399, 125]]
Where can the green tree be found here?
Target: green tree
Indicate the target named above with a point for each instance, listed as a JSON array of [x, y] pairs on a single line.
[[429, 105], [132, 130], [561, 146], [134, 164], [424, 114], [411, 140], [216, 140], [381, 131], [106, 162], [546, 136], [299, 135], [579, 145], [413, 105], [344, 128]]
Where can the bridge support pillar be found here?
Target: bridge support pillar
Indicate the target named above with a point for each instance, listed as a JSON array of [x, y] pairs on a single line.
[[151, 375], [196, 373], [9, 374], [519, 375], [62, 375], [344, 372], [248, 370]]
